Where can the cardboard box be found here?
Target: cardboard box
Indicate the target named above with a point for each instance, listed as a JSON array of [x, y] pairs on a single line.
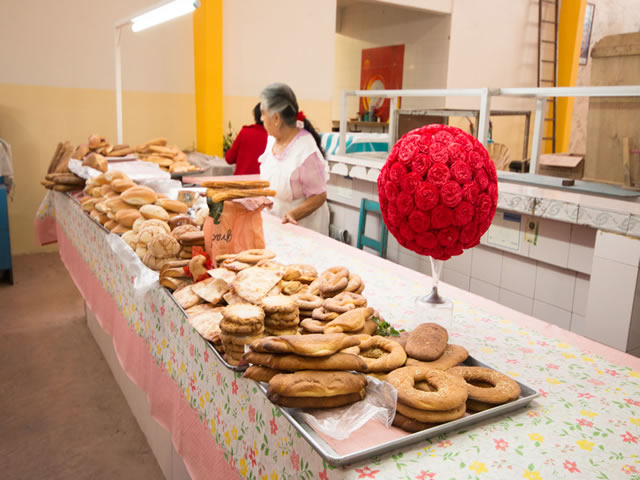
[[565, 165]]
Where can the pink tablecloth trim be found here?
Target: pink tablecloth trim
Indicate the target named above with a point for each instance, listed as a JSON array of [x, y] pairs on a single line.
[[468, 298], [45, 230], [191, 437]]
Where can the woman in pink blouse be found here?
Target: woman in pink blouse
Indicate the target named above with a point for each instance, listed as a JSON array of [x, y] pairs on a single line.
[[293, 161]]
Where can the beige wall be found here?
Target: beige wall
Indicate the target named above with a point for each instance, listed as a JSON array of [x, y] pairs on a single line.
[[610, 17], [57, 84], [290, 41], [364, 25]]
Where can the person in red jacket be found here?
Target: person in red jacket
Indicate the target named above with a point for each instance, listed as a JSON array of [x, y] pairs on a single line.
[[248, 146]]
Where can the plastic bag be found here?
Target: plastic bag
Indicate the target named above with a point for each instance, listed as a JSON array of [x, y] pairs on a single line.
[[143, 278], [339, 423]]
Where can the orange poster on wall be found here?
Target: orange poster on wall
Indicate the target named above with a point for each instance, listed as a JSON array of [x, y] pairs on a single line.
[[381, 69]]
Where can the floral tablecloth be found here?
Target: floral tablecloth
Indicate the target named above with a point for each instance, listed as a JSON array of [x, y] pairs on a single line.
[[585, 424]]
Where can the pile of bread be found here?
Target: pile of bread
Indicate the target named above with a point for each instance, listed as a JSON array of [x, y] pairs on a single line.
[[59, 177], [315, 341], [150, 223]]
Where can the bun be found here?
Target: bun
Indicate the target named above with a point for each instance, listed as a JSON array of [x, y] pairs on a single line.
[[112, 175], [97, 161], [163, 245], [139, 196], [116, 204], [427, 342], [110, 225], [154, 211], [120, 229], [290, 362], [317, 384], [172, 205], [121, 184], [315, 345], [127, 216]]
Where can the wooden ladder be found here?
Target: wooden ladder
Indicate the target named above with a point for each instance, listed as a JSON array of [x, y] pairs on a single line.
[[548, 15]]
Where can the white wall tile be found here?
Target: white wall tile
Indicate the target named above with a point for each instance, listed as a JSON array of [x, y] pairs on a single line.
[[484, 289], [461, 263], [552, 314], [634, 329], [609, 305], [555, 286], [553, 242], [581, 294], [583, 240], [577, 324], [619, 248], [517, 302], [486, 264], [408, 259], [518, 274], [456, 279]]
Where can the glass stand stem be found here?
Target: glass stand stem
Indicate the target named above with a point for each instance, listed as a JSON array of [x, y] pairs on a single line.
[[436, 270]]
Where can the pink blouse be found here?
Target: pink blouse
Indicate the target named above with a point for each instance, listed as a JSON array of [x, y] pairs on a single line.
[[309, 178]]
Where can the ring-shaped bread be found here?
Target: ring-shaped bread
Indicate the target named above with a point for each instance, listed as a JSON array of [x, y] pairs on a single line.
[[255, 255], [502, 390], [432, 416], [381, 354], [307, 301], [343, 302], [449, 391]]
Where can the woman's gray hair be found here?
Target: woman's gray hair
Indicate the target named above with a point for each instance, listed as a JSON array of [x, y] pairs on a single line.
[[279, 97]]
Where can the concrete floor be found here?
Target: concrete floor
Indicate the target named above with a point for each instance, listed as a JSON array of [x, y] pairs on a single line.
[[62, 415]]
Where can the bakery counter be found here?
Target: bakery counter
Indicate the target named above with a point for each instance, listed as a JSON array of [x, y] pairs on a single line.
[[585, 422]]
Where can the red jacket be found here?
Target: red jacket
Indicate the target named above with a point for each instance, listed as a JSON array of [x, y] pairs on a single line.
[[247, 147]]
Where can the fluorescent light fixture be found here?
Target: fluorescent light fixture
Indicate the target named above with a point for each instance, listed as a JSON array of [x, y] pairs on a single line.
[[169, 11]]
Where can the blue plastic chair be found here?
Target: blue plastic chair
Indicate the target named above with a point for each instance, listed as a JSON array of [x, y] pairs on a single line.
[[379, 246]]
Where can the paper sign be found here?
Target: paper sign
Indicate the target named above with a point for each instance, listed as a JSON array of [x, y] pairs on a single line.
[[504, 231]]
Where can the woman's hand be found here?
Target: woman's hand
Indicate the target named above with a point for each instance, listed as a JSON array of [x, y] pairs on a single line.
[[288, 218]]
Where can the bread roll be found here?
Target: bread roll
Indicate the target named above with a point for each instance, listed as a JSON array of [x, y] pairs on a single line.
[[155, 263], [154, 211], [110, 225], [80, 152], [163, 245], [141, 251], [156, 223], [101, 206], [96, 141], [100, 179], [112, 175], [106, 189], [89, 203], [116, 204], [146, 234], [120, 229], [127, 216], [121, 184], [317, 384], [315, 345], [131, 238], [172, 205], [139, 196], [97, 161]]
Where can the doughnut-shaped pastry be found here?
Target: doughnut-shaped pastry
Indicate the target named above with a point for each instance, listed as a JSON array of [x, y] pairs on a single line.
[[449, 392], [290, 288], [381, 354], [323, 315], [355, 284], [307, 301], [502, 388], [313, 326], [338, 270], [406, 423], [343, 302], [431, 416], [255, 255], [330, 285]]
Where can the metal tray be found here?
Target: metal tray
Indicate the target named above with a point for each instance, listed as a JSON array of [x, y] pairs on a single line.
[[527, 394]]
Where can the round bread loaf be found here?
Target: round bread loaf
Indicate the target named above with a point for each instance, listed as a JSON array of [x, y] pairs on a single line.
[[172, 205], [154, 212], [163, 245], [104, 189], [155, 223], [127, 217], [131, 238], [146, 234], [139, 195], [316, 384], [427, 342]]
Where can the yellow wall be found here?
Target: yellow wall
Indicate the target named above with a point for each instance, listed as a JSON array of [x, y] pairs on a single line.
[[207, 60], [33, 119]]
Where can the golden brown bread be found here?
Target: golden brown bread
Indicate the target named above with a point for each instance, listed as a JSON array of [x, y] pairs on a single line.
[[163, 245], [316, 345], [127, 216], [139, 195], [230, 194], [172, 205], [317, 402], [291, 362], [96, 161], [236, 184], [260, 374], [154, 211], [427, 342], [452, 356], [317, 384], [350, 321]]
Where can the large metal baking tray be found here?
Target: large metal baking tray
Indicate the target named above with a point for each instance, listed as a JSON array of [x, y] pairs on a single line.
[[527, 394]]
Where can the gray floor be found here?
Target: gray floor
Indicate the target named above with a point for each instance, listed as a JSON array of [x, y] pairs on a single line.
[[62, 415]]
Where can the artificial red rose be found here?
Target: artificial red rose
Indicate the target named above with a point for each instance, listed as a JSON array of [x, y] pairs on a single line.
[[470, 192], [438, 191], [456, 153], [419, 221], [420, 164], [451, 194], [481, 179], [427, 196], [447, 237], [404, 203], [461, 172], [483, 207], [441, 217], [443, 136], [407, 233], [408, 150], [476, 160], [463, 214], [427, 240], [391, 191], [439, 174], [468, 234], [410, 182], [397, 172], [438, 153]]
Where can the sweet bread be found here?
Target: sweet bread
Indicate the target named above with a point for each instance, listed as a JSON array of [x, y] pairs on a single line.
[[502, 388], [449, 392], [431, 416], [427, 342], [350, 321], [452, 356], [279, 304], [343, 302], [316, 384], [409, 424], [260, 374], [317, 402], [381, 353], [310, 345], [291, 362]]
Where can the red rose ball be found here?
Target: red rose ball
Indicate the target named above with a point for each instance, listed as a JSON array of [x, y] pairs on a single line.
[[438, 191]]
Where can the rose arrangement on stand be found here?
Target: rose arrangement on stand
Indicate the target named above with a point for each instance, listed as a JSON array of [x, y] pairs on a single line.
[[438, 193]]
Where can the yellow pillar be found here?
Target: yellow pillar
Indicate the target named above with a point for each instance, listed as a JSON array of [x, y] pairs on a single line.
[[207, 61], [570, 26]]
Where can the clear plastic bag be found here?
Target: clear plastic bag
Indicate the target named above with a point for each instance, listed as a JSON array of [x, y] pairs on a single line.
[[143, 278], [339, 423]]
